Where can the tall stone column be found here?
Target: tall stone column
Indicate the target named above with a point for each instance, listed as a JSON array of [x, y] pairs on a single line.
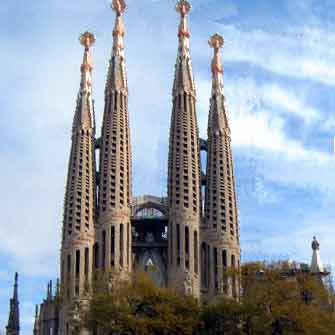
[[184, 171], [114, 226], [79, 205], [221, 229]]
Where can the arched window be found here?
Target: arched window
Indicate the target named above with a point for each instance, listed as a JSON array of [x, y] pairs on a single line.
[[187, 247], [96, 255], [215, 258], [103, 249], [77, 263], [87, 261], [224, 258], [195, 245], [233, 261], [178, 244], [204, 268], [112, 245], [121, 244]]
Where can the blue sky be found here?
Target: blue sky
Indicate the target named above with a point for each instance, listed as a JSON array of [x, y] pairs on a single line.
[[279, 60]]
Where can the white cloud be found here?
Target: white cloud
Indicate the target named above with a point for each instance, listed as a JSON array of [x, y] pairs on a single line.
[[300, 52], [41, 85], [296, 244]]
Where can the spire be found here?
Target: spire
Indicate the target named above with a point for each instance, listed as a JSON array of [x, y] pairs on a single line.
[[117, 78], [184, 193], [13, 327], [84, 110], [119, 6], [217, 42], [15, 295], [183, 70], [115, 161], [183, 7], [80, 193], [36, 323], [316, 265], [218, 118], [221, 214], [57, 288], [49, 293]]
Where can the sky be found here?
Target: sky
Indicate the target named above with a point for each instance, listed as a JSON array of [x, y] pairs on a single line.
[[279, 60]]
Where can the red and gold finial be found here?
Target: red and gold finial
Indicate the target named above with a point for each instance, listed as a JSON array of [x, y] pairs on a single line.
[[183, 7], [216, 42], [87, 39], [119, 6]]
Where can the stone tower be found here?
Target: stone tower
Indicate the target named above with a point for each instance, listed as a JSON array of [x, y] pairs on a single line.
[[36, 329], [184, 171], [220, 248], [13, 326], [316, 264], [79, 205], [114, 228]]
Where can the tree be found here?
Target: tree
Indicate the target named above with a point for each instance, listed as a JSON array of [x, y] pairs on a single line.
[[274, 302], [137, 307], [224, 317]]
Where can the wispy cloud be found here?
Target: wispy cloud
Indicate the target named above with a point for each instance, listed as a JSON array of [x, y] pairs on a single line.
[[40, 83], [301, 53]]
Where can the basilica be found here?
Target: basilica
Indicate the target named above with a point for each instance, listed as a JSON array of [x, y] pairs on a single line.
[[185, 241]]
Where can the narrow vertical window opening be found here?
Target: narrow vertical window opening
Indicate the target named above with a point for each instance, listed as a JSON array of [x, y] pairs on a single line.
[[178, 244], [121, 244], [112, 245], [195, 245], [87, 261], [103, 248]]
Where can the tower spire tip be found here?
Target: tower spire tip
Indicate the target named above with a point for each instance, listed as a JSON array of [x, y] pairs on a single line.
[[119, 6], [216, 42], [87, 39], [183, 7]]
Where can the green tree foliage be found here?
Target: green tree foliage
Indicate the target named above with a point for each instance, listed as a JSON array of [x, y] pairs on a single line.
[[137, 307], [274, 302]]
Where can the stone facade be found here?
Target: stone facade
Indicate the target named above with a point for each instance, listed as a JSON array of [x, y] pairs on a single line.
[[105, 230]]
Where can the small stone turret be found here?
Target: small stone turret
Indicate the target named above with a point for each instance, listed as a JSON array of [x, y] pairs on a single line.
[[316, 264], [13, 326]]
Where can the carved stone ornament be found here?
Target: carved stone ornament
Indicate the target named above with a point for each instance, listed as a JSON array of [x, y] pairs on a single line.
[[188, 284], [119, 6]]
